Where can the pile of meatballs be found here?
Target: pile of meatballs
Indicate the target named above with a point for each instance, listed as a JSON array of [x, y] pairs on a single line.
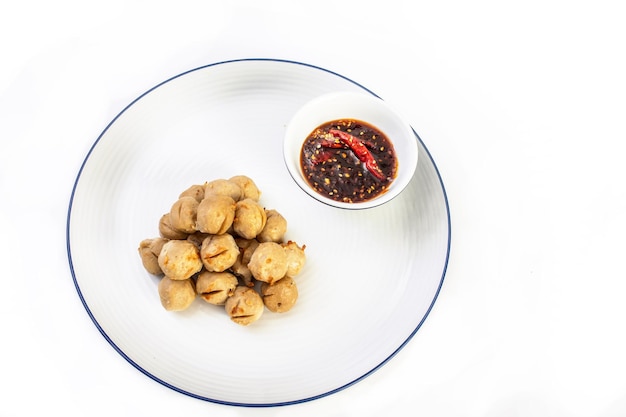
[[219, 243]]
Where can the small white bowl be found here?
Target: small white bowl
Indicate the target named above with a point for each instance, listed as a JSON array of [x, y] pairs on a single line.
[[359, 106]]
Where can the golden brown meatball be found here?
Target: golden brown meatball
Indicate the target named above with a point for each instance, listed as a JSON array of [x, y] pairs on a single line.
[[240, 267], [249, 219], [195, 191], [280, 296], [223, 187], [176, 295], [215, 214], [268, 262], [275, 227], [149, 250], [245, 306], [179, 259], [183, 214], [295, 258], [219, 252], [248, 187], [167, 231], [216, 287]]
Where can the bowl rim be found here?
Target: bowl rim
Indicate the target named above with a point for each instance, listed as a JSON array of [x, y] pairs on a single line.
[[308, 115]]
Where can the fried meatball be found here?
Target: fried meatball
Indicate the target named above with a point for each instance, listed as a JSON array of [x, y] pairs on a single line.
[[149, 250], [195, 191], [216, 287], [223, 187], [183, 214], [179, 259], [268, 262], [250, 218], [275, 227], [245, 306], [215, 214], [167, 231], [240, 267], [280, 296], [219, 252], [248, 187], [295, 257], [176, 295]]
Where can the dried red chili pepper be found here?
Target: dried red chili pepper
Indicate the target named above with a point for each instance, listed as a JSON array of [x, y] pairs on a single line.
[[337, 144], [332, 144], [361, 152]]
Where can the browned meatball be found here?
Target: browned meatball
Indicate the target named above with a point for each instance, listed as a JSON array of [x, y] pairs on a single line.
[[280, 296], [215, 214], [275, 227], [295, 258], [149, 250], [183, 214], [249, 219], [195, 191], [240, 267], [216, 287], [245, 306], [268, 262], [167, 231], [179, 259], [219, 252], [248, 187], [176, 295], [223, 187]]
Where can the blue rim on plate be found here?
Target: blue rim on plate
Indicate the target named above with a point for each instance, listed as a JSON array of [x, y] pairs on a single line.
[[426, 156]]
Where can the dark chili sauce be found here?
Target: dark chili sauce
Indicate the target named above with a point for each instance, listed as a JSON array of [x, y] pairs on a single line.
[[336, 172]]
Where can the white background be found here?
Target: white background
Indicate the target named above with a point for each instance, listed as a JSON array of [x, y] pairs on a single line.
[[522, 106]]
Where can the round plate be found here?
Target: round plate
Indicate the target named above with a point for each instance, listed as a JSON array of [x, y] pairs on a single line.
[[371, 276]]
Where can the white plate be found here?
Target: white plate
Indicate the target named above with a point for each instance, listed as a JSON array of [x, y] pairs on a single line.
[[371, 276]]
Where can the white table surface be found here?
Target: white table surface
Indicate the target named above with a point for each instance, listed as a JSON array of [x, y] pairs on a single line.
[[522, 106]]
